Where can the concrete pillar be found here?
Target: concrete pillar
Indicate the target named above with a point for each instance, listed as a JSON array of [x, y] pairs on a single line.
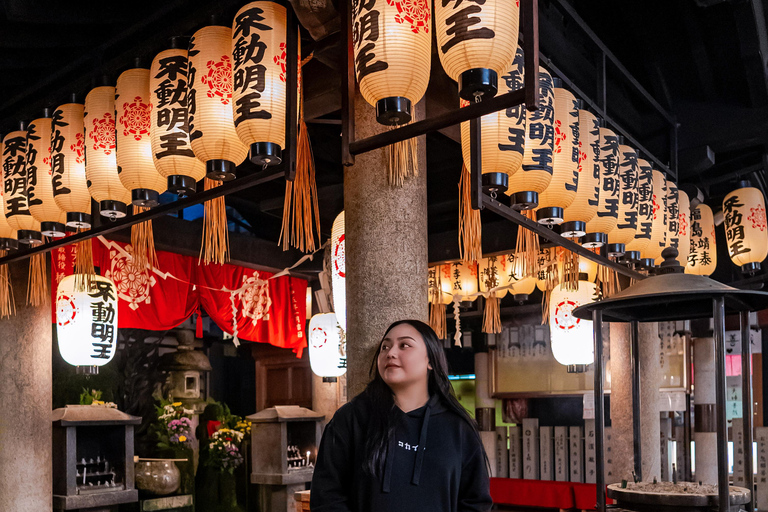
[[622, 448], [650, 379], [485, 407], [386, 247], [705, 427], [327, 397], [25, 403]]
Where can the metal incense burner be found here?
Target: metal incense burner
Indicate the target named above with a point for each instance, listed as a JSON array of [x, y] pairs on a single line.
[[667, 296], [674, 497]]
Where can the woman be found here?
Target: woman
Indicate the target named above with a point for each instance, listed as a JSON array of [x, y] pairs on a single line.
[[405, 443]]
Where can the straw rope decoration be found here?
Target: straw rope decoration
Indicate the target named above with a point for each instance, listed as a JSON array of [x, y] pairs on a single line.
[[551, 271], [84, 269], [143, 242], [437, 317], [570, 271], [492, 315], [402, 162], [527, 246], [215, 246], [7, 306], [301, 214], [37, 284], [470, 227], [607, 283]]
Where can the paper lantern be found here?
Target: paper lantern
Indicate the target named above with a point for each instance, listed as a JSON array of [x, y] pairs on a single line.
[[626, 227], [134, 148], [492, 272], [476, 41], [584, 205], [169, 130], [644, 208], [745, 227], [393, 55], [587, 270], [548, 266], [439, 284], [502, 134], [86, 320], [464, 285], [570, 337], [104, 183], [659, 228], [338, 270], [520, 286], [561, 191], [70, 186], [673, 218], [42, 205], [212, 131], [8, 240], [327, 353], [259, 77], [702, 259], [607, 214], [15, 201], [526, 185], [683, 227]]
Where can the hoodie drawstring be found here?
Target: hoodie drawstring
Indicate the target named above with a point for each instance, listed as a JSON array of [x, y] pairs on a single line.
[[388, 466], [422, 442]]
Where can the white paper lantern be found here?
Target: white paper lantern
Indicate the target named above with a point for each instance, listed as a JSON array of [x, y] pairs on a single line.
[[571, 337], [86, 320], [338, 271], [327, 352]]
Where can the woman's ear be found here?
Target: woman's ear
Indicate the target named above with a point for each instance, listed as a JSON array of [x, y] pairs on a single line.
[[429, 366]]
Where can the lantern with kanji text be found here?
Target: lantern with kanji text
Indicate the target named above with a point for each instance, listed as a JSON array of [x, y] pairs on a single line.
[[15, 199], [626, 225], [70, 186], [464, 283], [327, 351], [644, 229], [339, 270], [571, 337], [584, 205], [746, 233], [702, 259], [86, 321], [659, 227], [476, 41], [607, 214], [42, 205]]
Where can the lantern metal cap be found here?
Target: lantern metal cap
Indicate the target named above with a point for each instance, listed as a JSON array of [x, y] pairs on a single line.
[[79, 220], [495, 182], [631, 256], [8, 244], [576, 368], [672, 295], [525, 200], [53, 229], [550, 216], [394, 110], [573, 229], [750, 268], [220, 170], [615, 250], [87, 370], [557, 82], [520, 297], [48, 112], [594, 240], [145, 197], [29, 236], [648, 263], [478, 83], [265, 154], [182, 185], [580, 104], [113, 209]]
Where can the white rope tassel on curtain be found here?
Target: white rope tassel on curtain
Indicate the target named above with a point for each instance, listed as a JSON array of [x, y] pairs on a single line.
[[235, 340], [457, 335]]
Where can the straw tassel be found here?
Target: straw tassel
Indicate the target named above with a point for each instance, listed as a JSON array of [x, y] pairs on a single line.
[[143, 243], [402, 162], [84, 269], [527, 247], [301, 215], [215, 246], [552, 279], [492, 315], [7, 305], [570, 277], [470, 227], [457, 319], [437, 319], [607, 283], [37, 284]]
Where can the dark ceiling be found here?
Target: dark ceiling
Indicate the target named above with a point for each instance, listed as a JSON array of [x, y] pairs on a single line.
[[704, 61]]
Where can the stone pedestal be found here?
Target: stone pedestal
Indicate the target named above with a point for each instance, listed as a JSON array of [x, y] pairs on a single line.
[[386, 247], [25, 403], [485, 408], [705, 427]]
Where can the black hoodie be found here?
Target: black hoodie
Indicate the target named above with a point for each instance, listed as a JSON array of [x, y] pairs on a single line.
[[435, 463]]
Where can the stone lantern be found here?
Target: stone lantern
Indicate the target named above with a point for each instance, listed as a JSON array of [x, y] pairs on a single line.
[[186, 372]]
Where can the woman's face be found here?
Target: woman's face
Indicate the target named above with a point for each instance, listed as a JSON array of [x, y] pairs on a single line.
[[403, 359]]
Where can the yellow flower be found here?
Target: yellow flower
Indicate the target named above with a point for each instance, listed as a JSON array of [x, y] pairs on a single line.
[[177, 404], [182, 439]]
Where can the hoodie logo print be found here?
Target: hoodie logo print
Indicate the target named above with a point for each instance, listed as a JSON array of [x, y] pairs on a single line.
[[408, 447]]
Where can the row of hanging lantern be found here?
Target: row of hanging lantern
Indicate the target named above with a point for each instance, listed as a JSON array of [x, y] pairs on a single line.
[[195, 112]]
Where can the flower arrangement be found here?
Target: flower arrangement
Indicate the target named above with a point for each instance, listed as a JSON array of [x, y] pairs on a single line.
[[93, 397], [173, 428], [224, 450]]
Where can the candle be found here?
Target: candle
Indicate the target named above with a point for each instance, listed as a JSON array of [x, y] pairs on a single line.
[[307, 459]]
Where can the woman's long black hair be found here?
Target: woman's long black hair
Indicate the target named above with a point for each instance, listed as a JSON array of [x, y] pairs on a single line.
[[385, 415]]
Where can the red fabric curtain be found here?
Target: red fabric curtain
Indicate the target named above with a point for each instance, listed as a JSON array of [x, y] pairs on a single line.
[[266, 310]]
